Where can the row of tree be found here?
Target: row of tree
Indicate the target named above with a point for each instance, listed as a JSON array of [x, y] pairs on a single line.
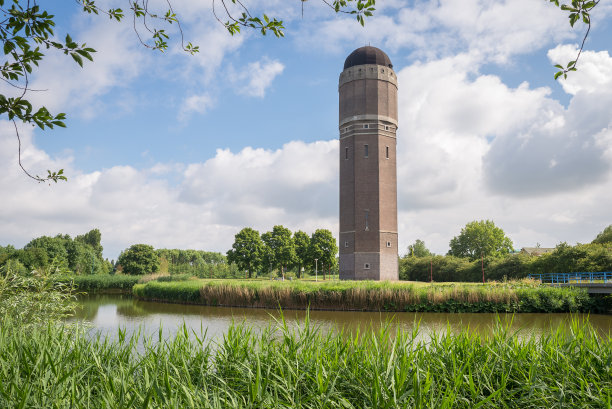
[[498, 262], [82, 255], [144, 259], [279, 250]]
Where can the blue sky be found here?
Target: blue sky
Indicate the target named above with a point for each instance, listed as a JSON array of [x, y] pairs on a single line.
[[183, 151]]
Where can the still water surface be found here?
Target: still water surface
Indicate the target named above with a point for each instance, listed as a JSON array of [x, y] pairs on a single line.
[[107, 313]]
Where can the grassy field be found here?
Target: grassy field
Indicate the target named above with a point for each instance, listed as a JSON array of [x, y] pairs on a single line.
[[522, 296], [62, 367]]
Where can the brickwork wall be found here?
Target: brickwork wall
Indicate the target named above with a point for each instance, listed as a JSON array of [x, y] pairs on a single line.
[[368, 181]]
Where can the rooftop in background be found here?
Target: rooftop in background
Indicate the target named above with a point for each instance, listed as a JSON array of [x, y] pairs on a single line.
[[367, 55], [537, 251]]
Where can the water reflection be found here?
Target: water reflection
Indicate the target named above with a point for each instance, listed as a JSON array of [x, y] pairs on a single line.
[[107, 313]]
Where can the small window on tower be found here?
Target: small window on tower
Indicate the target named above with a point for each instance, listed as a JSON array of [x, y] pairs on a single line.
[[366, 126], [346, 153], [388, 244], [366, 266], [346, 244], [366, 151], [387, 149], [387, 127], [367, 213]]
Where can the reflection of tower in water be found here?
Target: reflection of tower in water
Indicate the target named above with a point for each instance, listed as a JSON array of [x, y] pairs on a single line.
[[368, 175]]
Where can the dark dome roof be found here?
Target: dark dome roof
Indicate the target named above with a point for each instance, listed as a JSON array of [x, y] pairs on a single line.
[[367, 55]]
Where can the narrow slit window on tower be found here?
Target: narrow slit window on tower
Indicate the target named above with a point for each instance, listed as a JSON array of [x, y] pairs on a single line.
[[346, 244], [367, 213], [386, 127], [366, 266], [387, 152], [366, 151], [388, 244], [346, 153]]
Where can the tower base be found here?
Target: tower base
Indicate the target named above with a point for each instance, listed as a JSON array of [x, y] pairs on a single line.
[[369, 266]]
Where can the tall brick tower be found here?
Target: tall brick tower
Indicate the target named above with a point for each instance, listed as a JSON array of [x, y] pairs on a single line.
[[368, 174]]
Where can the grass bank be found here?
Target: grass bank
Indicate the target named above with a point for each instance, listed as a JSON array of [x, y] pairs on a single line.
[[62, 367], [372, 296], [100, 283]]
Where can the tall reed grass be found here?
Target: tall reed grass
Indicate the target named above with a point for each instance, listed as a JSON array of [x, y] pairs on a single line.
[[371, 296], [302, 367], [100, 282]]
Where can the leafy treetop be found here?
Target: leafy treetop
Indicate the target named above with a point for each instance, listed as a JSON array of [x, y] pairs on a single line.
[[480, 238]]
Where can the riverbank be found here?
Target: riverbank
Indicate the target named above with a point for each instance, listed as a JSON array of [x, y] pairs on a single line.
[[520, 296], [100, 283], [299, 367]]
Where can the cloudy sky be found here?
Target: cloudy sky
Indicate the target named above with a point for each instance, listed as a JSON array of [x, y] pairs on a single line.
[[183, 151]]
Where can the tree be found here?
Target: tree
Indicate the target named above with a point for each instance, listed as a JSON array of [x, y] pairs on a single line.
[[302, 243], [139, 259], [25, 28], [418, 249], [247, 250], [93, 239], [480, 238], [280, 248], [604, 237], [323, 247]]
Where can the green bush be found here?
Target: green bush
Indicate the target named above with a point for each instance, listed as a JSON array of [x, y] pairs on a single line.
[[565, 259]]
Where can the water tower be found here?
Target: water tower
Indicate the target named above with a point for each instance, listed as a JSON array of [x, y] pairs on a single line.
[[368, 167]]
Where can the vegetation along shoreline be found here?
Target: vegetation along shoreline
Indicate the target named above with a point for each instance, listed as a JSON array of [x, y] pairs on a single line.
[[513, 297]]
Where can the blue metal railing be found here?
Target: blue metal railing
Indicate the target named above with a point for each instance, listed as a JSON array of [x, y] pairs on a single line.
[[573, 278]]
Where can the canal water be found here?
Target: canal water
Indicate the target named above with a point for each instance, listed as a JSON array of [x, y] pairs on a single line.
[[105, 314]]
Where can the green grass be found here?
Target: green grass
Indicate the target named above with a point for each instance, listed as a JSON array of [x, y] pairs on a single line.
[[100, 282], [522, 296], [62, 367]]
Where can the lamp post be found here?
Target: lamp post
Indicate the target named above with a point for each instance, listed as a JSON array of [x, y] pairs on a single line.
[[482, 264], [316, 270]]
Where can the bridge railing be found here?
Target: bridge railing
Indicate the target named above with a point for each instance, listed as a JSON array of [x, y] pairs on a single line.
[[573, 278]]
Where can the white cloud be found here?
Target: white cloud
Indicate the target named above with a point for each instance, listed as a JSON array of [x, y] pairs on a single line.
[[118, 60], [295, 186], [254, 79], [195, 104], [432, 29], [594, 73]]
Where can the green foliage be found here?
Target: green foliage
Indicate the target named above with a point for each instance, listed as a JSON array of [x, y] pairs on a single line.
[[577, 10], [194, 262], [139, 259], [480, 238], [323, 247], [418, 249], [93, 239], [372, 296], [35, 299], [305, 367], [565, 259], [61, 254], [178, 291], [604, 237], [279, 248], [99, 282], [247, 251], [302, 247]]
